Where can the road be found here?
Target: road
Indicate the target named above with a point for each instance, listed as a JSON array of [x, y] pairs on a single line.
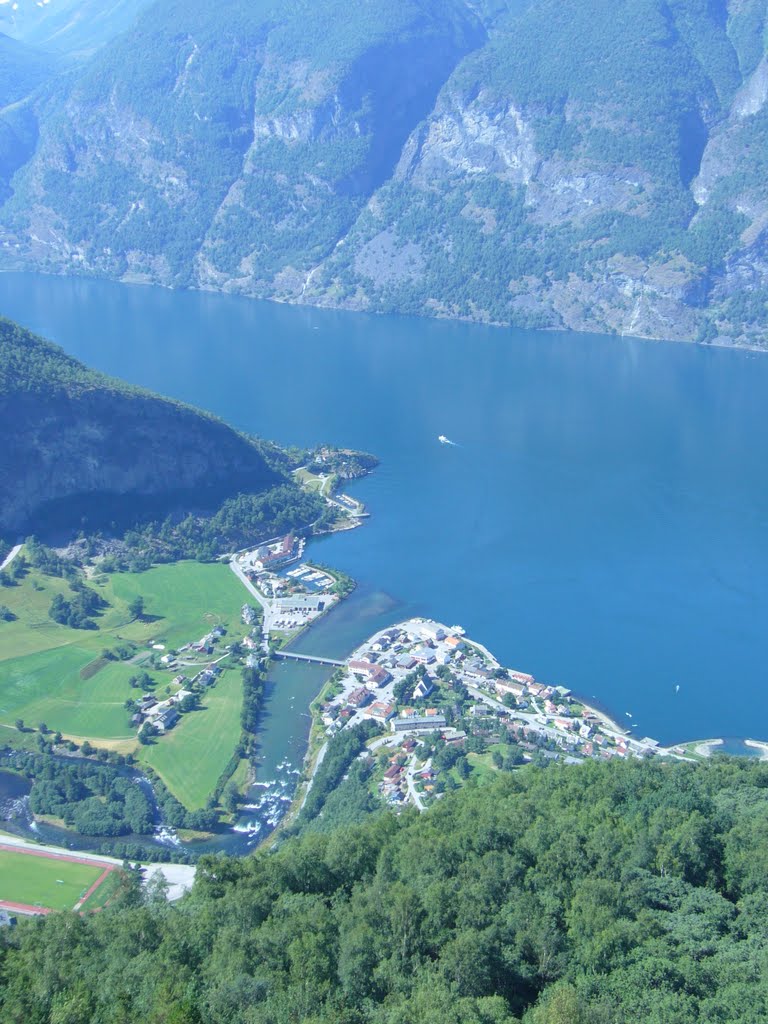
[[410, 771], [178, 876], [263, 602], [10, 556]]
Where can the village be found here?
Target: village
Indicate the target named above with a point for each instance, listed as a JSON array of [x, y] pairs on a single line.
[[443, 698], [290, 598]]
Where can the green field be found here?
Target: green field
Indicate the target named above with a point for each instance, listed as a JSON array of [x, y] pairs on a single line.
[[193, 755], [41, 661], [43, 881]]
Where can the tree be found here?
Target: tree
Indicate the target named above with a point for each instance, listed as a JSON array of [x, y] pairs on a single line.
[[43, 728], [86, 750], [147, 732], [20, 724], [136, 607], [6, 615], [230, 798]]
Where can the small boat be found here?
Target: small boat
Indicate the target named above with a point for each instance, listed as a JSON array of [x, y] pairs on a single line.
[[443, 439]]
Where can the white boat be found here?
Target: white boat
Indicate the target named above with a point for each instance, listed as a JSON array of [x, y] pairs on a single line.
[[443, 439]]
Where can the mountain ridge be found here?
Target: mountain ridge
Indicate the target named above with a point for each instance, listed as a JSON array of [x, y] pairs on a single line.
[[82, 447], [539, 164]]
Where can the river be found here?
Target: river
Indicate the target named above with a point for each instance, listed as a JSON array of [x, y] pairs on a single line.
[[601, 521]]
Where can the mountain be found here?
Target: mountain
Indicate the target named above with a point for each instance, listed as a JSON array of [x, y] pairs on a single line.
[[76, 28], [592, 894], [23, 70], [587, 164], [80, 446]]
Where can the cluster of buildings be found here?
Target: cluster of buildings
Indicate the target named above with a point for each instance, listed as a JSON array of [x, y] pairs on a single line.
[[276, 554], [163, 715], [204, 645], [423, 680]]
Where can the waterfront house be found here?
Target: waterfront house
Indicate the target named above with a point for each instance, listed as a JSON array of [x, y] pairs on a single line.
[[507, 686]]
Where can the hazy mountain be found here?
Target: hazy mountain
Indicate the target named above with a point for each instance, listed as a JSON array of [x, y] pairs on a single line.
[[73, 27], [568, 163], [83, 444]]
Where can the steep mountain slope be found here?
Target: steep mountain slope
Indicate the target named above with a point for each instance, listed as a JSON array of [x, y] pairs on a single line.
[[248, 132], [77, 444], [595, 165], [23, 70]]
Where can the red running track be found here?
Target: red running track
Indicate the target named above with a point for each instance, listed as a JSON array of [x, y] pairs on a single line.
[[25, 908]]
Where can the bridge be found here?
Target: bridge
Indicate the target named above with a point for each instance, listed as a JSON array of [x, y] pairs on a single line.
[[292, 656]]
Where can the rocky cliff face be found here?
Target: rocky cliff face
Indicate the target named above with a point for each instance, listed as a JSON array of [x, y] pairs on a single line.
[[89, 446], [551, 163]]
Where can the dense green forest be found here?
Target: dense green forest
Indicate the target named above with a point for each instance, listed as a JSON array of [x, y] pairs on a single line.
[[600, 894]]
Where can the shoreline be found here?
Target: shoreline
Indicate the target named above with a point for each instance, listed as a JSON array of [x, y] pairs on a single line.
[[73, 273]]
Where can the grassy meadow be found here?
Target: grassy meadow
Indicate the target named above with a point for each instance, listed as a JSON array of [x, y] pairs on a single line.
[[53, 674], [193, 755]]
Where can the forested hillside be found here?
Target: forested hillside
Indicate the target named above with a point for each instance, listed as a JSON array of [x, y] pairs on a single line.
[[85, 450], [592, 164], [600, 894]]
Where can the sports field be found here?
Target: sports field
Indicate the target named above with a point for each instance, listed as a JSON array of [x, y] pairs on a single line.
[[41, 880], [192, 756]]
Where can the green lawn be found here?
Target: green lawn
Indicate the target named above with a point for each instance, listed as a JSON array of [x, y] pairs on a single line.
[[41, 661], [42, 881], [189, 597], [192, 756]]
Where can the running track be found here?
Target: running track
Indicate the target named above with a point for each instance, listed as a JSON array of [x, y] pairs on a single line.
[[25, 908]]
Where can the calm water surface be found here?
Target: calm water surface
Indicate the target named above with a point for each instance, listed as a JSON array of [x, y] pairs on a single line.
[[601, 522]]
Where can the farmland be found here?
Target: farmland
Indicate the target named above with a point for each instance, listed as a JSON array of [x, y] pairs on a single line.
[[192, 756], [42, 663], [72, 681]]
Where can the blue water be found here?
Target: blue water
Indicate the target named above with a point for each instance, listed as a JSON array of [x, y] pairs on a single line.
[[602, 521]]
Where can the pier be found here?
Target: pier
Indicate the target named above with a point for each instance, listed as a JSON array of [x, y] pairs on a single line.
[[308, 658]]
